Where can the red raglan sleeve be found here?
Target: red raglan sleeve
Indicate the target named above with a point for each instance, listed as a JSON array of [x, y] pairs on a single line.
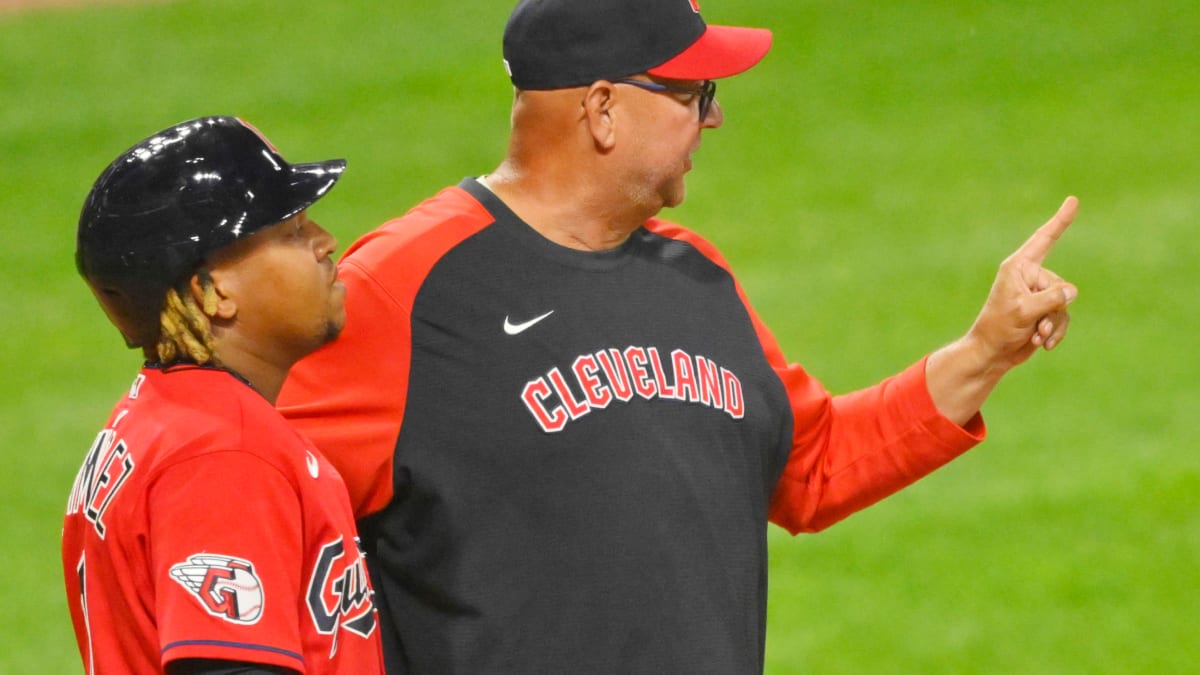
[[852, 450], [349, 396]]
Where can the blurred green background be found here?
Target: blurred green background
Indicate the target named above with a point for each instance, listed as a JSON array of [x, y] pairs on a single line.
[[872, 173]]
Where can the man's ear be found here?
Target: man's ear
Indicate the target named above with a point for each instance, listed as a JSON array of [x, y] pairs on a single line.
[[210, 289], [598, 104]]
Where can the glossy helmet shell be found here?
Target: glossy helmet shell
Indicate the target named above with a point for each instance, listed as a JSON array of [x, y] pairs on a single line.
[[166, 203]]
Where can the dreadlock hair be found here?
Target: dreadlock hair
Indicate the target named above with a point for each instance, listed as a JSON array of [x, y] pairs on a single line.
[[185, 330]]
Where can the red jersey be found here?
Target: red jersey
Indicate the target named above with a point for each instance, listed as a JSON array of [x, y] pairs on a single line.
[[202, 525]]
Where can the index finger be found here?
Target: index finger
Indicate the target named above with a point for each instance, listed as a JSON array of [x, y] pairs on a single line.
[[1038, 246]]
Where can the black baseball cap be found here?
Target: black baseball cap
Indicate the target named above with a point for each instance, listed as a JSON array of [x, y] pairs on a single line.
[[554, 44]]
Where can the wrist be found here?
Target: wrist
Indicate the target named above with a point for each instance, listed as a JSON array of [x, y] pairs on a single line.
[[975, 358], [960, 377]]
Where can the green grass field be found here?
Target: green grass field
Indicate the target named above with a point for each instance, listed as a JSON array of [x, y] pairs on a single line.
[[871, 175]]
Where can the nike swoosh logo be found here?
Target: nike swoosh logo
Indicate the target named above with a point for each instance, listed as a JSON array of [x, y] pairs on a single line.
[[515, 329], [314, 469]]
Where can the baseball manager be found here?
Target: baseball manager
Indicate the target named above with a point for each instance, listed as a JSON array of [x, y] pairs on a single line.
[[563, 427]]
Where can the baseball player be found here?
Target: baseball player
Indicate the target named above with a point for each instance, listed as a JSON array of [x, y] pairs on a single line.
[[203, 534], [561, 422]]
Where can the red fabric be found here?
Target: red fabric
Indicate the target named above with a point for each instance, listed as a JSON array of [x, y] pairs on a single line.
[[197, 529], [332, 396], [721, 51]]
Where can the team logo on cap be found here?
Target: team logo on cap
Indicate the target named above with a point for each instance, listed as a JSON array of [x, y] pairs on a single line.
[[227, 587]]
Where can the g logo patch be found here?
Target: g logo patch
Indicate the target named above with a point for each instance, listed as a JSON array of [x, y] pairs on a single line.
[[227, 587]]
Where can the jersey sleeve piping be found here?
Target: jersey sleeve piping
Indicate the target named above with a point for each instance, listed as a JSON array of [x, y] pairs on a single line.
[[237, 651]]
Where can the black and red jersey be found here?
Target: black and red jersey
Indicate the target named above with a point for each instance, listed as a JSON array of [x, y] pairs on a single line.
[[565, 461]]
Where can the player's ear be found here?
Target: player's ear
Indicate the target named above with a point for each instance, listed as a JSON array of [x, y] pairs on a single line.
[[211, 289], [598, 104]]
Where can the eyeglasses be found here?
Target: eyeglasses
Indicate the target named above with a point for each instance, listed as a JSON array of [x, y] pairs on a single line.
[[707, 91]]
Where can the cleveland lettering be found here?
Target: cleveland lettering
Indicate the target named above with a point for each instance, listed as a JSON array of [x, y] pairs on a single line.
[[596, 380]]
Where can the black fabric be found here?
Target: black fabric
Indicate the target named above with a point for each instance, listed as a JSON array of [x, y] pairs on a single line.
[[549, 44], [631, 539], [216, 667]]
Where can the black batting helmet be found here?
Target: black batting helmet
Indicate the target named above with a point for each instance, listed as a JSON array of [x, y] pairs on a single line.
[[166, 203]]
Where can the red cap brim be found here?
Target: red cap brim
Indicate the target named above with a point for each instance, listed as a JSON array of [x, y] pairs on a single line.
[[720, 52]]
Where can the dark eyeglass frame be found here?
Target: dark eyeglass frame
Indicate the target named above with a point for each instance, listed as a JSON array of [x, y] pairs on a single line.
[[707, 91]]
